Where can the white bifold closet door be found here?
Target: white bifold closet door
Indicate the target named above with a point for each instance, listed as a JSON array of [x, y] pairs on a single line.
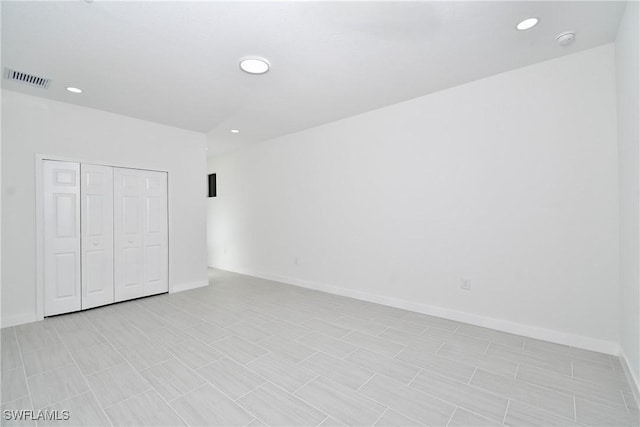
[[140, 233], [61, 235], [96, 191]]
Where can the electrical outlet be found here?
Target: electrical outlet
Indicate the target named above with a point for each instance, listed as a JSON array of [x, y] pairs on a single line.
[[465, 283], [295, 260]]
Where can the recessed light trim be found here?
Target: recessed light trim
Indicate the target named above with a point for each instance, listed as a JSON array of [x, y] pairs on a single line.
[[74, 90], [254, 65], [527, 24], [235, 131]]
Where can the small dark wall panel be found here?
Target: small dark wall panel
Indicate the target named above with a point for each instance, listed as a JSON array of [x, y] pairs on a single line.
[[212, 185]]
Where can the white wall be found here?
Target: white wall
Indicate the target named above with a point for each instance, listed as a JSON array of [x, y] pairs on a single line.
[[510, 181], [33, 125], [627, 59]]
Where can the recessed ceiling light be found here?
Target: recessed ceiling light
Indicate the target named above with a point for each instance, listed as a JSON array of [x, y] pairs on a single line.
[[254, 65], [527, 24], [235, 131], [74, 90]]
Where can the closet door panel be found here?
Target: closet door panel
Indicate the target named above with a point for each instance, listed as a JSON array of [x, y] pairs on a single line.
[[61, 239], [97, 235], [128, 233], [156, 233]]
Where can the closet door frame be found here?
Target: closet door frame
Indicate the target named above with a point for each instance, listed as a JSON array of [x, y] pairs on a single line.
[[39, 203]]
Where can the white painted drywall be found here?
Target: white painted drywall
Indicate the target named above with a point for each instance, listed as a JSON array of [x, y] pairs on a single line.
[[32, 125], [510, 181], [628, 91]]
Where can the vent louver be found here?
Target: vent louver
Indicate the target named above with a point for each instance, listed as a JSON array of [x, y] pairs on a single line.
[[29, 79]]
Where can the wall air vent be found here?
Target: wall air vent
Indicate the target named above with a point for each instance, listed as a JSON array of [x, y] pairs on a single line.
[[29, 79]]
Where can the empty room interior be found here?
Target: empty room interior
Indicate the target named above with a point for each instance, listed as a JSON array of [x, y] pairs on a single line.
[[320, 213]]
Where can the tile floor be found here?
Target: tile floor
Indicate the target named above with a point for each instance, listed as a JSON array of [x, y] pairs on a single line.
[[247, 351]]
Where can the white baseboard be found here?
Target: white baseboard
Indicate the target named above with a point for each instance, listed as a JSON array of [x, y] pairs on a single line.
[[586, 343], [179, 287], [21, 319], [8, 321], [633, 379]]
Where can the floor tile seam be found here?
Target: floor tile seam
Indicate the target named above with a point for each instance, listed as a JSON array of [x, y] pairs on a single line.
[[288, 393], [410, 363], [458, 405], [133, 396], [35, 350], [84, 377], [515, 375], [414, 345], [58, 402], [404, 347], [168, 405], [474, 412], [207, 343], [475, 369], [445, 400], [155, 365], [524, 341], [352, 352], [325, 419], [542, 364], [46, 371], [380, 417], [482, 353], [242, 339], [519, 400], [145, 380], [452, 415], [250, 391], [209, 383], [371, 350], [338, 358], [479, 367], [99, 371], [506, 410], [624, 399], [24, 371], [567, 356], [262, 356], [579, 380], [317, 349], [387, 326], [306, 383], [107, 339], [415, 376], [311, 355], [490, 340], [8, 402], [152, 365], [363, 365], [387, 407]]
